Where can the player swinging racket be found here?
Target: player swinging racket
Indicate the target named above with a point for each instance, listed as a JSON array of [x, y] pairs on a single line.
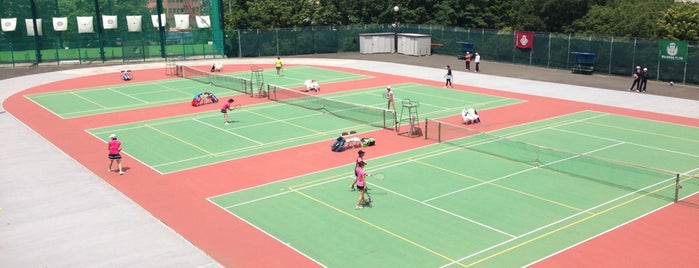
[[224, 110]]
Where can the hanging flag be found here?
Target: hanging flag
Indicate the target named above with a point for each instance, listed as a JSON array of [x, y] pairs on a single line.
[[134, 23], [203, 22], [60, 24], [154, 18], [9, 24], [524, 39], [109, 22], [671, 50], [182, 21], [30, 26], [85, 25]]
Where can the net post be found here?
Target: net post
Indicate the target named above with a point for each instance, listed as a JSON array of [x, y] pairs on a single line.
[[439, 132], [384, 118], [677, 187], [425, 128]]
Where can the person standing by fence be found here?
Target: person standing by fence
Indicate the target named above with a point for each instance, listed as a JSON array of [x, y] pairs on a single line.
[[644, 80], [478, 61], [636, 79], [468, 61]]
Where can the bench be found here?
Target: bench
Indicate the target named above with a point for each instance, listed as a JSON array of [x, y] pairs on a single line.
[[583, 68]]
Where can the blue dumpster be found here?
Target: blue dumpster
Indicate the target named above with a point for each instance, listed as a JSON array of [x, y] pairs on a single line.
[[466, 47], [584, 62]]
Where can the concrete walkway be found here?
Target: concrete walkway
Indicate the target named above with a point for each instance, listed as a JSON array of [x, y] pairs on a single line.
[[56, 213]]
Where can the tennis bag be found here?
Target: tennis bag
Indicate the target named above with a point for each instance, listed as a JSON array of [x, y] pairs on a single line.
[[368, 141], [338, 145], [214, 99]]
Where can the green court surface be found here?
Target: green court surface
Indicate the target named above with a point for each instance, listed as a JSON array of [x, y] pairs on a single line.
[[127, 96], [501, 199], [194, 140]]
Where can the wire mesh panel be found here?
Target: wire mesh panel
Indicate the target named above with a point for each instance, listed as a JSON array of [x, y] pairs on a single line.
[[369, 115]]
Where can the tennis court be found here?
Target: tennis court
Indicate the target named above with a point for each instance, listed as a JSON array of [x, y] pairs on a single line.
[[134, 95], [500, 199], [199, 139]]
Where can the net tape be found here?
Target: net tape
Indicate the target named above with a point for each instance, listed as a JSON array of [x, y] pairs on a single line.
[[241, 85]]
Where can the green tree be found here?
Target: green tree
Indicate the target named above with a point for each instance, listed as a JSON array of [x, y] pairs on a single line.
[[680, 22], [626, 18]]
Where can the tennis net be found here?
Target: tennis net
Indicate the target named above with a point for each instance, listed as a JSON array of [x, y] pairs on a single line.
[[369, 115], [623, 175], [241, 85]]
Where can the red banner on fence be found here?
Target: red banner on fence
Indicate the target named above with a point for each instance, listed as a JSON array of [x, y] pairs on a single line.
[[524, 39]]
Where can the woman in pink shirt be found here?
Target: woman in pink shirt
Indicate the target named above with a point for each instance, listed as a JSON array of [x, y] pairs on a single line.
[[114, 148], [361, 183], [360, 158], [224, 110]]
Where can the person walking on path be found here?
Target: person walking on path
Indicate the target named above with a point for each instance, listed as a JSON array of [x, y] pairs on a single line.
[[468, 61], [448, 76], [114, 149], [636, 79], [644, 80], [478, 61]]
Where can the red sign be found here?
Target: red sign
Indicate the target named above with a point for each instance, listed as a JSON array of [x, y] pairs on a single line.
[[524, 39]]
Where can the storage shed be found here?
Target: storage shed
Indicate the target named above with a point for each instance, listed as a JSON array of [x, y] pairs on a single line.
[[371, 43], [414, 44]]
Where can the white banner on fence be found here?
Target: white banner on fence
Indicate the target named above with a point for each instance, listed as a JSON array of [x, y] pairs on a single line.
[[154, 18], [182, 21], [203, 22], [60, 24], [9, 24], [85, 25], [134, 23], [30, 27], [109, 22]]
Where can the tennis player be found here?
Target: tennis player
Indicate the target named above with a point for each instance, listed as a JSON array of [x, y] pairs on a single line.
[[114, 148], [278, 65], [224, 110], [360, 159], [390, 98], [361, 184], [448, 76]]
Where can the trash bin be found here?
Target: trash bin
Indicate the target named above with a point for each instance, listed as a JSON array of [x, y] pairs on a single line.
[[584, 62], [466, 46]]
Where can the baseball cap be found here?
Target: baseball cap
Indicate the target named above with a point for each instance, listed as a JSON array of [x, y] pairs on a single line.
[[638, 67], [645, 69], [113, 136], [389, 87]]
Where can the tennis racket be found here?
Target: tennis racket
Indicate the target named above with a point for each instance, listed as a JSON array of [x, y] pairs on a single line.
[[379, 176], [367, 198], [237, 107]]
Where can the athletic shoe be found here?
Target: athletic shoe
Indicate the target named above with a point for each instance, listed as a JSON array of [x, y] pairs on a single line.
[[109, 170], [358, 207], [227, 123], [121, 173]]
